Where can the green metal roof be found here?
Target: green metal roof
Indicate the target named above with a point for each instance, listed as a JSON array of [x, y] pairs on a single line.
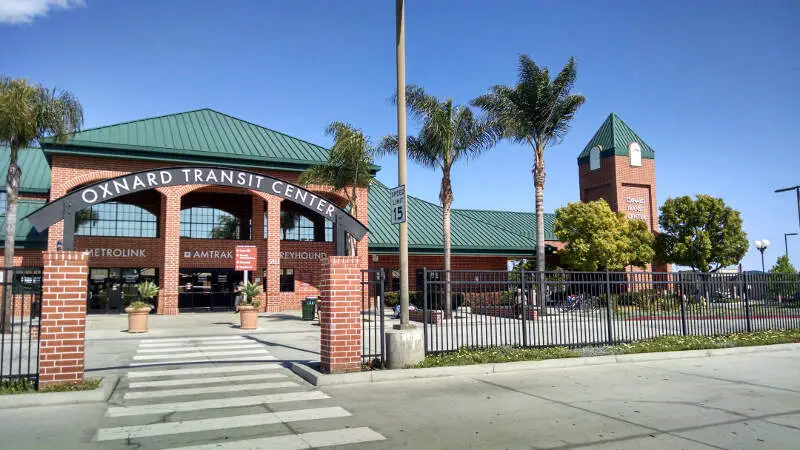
[[27, 237], [35, 170], [613, 138], [523, 223], [199, 136], [473, 231]]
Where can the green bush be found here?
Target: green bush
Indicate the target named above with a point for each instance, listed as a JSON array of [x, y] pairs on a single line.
[[435, 299], [391, 299]]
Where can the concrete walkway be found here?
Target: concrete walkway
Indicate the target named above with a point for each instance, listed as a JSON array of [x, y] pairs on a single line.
[[110, 349]]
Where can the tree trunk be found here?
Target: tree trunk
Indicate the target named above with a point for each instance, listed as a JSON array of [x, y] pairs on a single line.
[[538, 183], [352, 245], [12, 191], [446, 197]]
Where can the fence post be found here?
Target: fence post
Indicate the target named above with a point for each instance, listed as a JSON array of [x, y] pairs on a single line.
[[743, 281], [684, 328], [608, 309], [522, 299], [425, 308]]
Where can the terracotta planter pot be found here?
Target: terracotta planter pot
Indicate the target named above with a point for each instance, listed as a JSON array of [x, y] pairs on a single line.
[[248, 316], [137, 319]]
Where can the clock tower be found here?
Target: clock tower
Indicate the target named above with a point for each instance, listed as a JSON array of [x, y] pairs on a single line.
[[619, 167]]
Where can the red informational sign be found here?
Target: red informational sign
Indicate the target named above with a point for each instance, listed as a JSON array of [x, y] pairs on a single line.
[[246, 257]]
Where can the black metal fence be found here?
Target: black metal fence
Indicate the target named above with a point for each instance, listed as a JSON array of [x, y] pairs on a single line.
[[373, 354], [21, 298], [574, 309]]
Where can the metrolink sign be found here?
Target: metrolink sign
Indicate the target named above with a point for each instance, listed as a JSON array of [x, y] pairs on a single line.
[[66, 207]]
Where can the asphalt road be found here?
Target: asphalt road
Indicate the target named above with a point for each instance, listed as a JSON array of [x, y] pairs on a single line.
[[733, 402], [743, 401]]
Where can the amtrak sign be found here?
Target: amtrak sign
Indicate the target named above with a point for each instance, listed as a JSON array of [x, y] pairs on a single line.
[[66, 207]]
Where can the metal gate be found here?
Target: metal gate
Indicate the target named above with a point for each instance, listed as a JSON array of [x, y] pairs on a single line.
[[21, 298], [373, 352]]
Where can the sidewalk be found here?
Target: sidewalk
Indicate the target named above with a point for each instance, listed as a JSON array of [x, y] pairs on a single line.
[[110, 348]]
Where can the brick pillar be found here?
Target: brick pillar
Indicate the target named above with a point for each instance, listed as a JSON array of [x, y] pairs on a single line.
[[170, 230], [62, 325], [340, 318], [257, 237], [273, 303]]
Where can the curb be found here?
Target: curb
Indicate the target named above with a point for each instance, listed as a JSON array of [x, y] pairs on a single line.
[[99, 395], [318, 379]]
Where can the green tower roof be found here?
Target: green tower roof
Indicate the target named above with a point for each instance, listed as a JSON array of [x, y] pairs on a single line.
[[613, 137]]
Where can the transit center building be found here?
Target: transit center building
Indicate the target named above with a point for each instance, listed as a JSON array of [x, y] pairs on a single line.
[[168, 199]]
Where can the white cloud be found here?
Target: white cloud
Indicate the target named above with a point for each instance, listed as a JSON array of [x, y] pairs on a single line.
[[24, 11]]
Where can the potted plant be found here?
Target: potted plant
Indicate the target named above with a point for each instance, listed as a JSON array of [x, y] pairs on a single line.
[[139, 310], [248, 307]]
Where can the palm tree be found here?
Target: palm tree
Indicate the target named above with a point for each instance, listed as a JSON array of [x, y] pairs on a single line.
[[536, 111], [449, 133], [28, 113], [349, 167]]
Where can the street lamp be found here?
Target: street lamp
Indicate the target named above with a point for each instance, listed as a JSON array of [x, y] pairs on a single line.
[[786, 241], [797, 190], [761, 246]]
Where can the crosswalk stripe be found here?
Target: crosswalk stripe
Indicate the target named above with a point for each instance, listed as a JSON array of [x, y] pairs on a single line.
[[207, 390], [241, 359], [254, 345], [197, 405], [196, 381], [192, 338], [179, 344], [313, 439], [203, 370], [196, 354], [218, 423]]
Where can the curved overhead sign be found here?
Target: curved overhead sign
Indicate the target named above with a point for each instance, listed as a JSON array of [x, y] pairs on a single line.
[[84, 197]]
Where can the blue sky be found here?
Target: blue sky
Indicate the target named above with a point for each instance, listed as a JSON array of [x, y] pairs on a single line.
[[712, 86]]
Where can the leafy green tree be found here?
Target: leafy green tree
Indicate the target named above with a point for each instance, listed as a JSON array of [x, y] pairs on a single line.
[[28, 113], [783, 279], [536, 111], [596, 237], [349, 167], [449, 134], [704, 234]]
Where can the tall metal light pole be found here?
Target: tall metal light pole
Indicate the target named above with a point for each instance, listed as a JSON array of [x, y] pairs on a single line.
[[401, 154], [762, 246], [786, 241], [797, 190]]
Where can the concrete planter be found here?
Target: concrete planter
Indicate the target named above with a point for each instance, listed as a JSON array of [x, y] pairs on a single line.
[[137, 319], [248, 316]]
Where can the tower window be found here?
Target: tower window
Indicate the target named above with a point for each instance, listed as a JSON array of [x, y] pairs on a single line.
[[594, 158], [635, 152]]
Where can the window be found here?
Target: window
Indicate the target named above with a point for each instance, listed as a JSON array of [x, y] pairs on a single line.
[[328, 231], [287, 280], [635, 152], [116, 219], [594, 158], [211, 223], [296, 227], [2, 203]]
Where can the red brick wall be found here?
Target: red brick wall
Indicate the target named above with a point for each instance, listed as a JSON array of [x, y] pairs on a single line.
[[340, 317], [63, 321], [415, 262], [24, 257]]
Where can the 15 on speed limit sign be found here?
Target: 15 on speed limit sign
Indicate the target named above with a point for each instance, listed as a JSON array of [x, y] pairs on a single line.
[[399, 204]]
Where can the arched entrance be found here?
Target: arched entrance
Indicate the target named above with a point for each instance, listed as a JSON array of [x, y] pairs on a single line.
[[66, 207]]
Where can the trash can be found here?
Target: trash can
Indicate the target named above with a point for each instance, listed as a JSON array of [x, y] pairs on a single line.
[[308, 308]]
